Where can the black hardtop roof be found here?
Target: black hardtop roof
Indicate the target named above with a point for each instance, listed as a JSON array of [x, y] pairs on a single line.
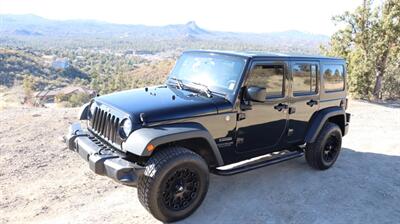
[[263, 54]]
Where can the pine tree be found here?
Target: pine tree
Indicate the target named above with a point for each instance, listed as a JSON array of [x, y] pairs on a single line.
[[370, 42]]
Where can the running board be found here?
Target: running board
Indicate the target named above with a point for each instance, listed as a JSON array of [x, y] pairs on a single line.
[[276, 158]]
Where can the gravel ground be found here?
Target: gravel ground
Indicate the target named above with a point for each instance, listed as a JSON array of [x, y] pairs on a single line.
[[41, 181]]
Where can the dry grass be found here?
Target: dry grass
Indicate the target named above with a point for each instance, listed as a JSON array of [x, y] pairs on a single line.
[[11, 97]]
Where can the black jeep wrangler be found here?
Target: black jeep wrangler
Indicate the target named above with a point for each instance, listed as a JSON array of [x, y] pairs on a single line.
[[215, 109]]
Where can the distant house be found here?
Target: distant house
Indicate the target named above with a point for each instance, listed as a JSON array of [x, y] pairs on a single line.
[[127, 52], [144, 52], [48, 96], [48, 59], [60, 63]]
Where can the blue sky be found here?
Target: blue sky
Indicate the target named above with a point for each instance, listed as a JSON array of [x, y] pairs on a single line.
[[312, 16]]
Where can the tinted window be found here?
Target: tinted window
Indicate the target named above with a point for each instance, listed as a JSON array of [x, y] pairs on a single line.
[[268, 76], [333, 77], [304, 79]]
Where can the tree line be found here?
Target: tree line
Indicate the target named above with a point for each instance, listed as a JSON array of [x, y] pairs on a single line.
[[370, 42]]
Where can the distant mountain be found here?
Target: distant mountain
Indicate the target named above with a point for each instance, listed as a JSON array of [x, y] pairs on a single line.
[[14, 26], [24, 32], [34, 25]]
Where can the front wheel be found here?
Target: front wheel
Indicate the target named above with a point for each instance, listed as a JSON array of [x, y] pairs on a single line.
[[323, 153], [174, 183]]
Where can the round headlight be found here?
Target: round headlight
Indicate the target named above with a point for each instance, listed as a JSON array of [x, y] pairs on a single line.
[[92, 109], [126, 127]]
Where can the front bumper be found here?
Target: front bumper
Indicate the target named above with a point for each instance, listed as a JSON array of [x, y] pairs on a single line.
[[102, 159]]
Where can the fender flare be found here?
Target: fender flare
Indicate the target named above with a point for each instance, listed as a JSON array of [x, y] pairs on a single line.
[[319, 119], [84, 111], [162, 134]]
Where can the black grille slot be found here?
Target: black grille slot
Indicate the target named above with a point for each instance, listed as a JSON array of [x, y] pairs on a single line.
[[105, 124]]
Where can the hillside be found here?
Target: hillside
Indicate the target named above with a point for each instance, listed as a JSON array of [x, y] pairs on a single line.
[[15, 65], [102, 72], [109, 57]]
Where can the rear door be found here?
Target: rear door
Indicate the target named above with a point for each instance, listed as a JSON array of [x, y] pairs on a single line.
[[304, 98]]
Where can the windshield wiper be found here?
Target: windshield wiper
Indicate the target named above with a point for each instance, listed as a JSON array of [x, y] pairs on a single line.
[[209, 92], [178, 81], [182, 85], [200, 87]]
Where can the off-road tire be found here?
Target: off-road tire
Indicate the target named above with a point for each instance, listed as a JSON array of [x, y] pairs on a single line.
[[316, 153], [164, 170]]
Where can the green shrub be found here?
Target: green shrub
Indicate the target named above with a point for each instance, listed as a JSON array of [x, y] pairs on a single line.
[[78, 99], [74, 100]]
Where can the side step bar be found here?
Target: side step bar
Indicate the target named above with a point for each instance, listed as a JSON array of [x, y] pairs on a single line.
[[255, 165]]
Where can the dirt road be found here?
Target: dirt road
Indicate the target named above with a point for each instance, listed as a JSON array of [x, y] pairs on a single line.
[[41, 181]]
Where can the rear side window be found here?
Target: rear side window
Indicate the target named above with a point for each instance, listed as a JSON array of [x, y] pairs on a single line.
[[269, 77], [304, 79], [333, 78]]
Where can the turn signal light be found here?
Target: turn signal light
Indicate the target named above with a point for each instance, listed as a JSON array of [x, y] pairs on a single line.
[[150, 147]]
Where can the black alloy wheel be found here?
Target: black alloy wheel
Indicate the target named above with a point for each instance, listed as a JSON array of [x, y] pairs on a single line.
[[331, 149], [181, 189], [174, 183]]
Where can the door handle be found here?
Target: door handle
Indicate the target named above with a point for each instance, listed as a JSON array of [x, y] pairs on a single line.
[[281, 107], [311, 103]]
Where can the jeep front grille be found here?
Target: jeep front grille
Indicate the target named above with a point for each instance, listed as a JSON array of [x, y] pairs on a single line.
[[105, 124]]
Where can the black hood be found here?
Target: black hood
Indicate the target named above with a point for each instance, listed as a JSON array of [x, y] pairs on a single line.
[[163, 103]]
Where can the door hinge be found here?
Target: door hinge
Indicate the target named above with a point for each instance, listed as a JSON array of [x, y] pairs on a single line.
[[239, 141], [290, 132], [241, 116], [292, 110]]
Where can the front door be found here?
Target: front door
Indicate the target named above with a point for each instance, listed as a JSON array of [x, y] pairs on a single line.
[[261, 125], [304, 98]]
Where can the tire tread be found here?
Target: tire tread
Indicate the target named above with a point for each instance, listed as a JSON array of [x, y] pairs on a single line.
[[151, 173], [313, 150]]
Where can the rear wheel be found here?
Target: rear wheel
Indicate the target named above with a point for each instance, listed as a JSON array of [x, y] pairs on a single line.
[[174, 183], [324, 152]]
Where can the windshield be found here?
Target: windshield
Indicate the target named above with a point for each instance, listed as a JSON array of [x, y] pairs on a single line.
[[217, 72]]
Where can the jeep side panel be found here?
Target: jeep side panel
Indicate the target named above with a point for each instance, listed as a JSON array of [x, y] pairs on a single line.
[[139, 140], [218, 130], [321, 117], [264, 124], [333, 100], [304, 98], [246, 116], [302, 110]]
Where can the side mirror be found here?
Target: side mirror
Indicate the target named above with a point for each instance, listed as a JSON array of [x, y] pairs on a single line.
[[256, 93]]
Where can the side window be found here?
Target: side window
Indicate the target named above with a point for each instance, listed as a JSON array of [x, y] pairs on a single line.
[[333, 78], [304, 79], [269, 77]]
